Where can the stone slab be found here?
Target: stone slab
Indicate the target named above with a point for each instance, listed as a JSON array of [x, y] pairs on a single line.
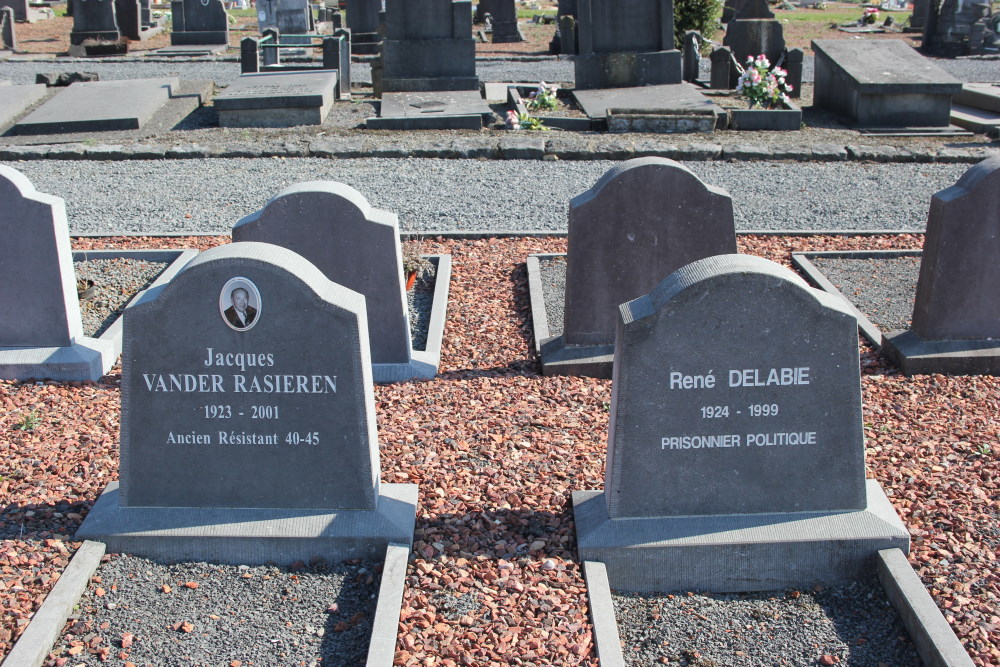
[[88, 358], [275, 90], [34, 644], [680, 98], [736, 553], [607, 641], [385, 626], [984, 96], [971, 118], [251, 536], [15, 99], [458, 109], [881, 83], [915, 356], [98, 106], [190, 50]]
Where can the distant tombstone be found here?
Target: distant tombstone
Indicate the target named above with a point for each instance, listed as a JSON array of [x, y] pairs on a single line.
[[753, 31], [626, 43], [41, 334], [483, 7], [8, 38], [248, 419], [199, 22], [286, 16], [93, 20], [363, 21], [21, 9], [128, 15], [333, 226], [735, 447], [956, 315], [505, 28], [428, 47], [640, 222]]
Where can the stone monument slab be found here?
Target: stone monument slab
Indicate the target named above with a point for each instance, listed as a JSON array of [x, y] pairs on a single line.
[[278, 99], [355, 245], [435, 110], [753, 477], [16, 99], [37, 282], [643, 219], [238, 418], [8, 35], [92, 20], [199, 22], [99, 106], [671, 103], [882, 83], [956, 314]]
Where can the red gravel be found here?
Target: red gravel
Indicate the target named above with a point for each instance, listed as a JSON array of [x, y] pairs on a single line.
[[497, 450]]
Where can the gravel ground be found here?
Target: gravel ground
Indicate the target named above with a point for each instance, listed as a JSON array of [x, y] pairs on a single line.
[[115, 282], [173, 196], [552, 69], [496, 449], [882, 289], [419, 300], [553, 277], [852, 625], [150, 613]]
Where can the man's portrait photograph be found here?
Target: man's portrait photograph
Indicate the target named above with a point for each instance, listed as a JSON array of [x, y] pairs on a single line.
[[239, 303]]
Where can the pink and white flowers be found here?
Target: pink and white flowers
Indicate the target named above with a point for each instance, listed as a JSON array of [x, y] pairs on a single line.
[[763, 86]]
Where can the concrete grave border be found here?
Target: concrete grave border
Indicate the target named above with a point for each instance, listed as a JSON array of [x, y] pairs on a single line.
[[43, 630], [89, 358], [905, 349], [424, 363], [935, 641]]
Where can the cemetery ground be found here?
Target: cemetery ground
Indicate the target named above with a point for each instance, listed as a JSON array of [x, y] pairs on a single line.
[[496, 450]]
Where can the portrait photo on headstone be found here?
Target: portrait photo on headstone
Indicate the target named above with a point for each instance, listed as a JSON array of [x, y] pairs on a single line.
[[239, 303]]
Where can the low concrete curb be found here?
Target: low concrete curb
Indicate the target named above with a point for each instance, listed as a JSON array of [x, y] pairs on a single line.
[[934, 639], [43, 630], [382, 647], [602, 615], [503, 148]]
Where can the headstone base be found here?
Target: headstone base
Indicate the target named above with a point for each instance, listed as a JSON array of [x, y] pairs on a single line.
[[366, 43], [252, 536], [627, 69], [558, 358], [913, 355], [190, 50], [737, 553], [88, 359], [199, 37]]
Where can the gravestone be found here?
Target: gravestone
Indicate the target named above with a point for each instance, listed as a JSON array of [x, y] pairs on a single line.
[[505, 28], [754, 477], [363, 22], [428, 47], [245, 436], [278, 99], [199, 22], [42, 334], [956, 314], [333, 226], [128, 16], [483, 7], [754, 31], [20, 8], [625, 43], [881, 83], [99, 106], [93, 20], [643, 219], [291, 17], [8, 37]]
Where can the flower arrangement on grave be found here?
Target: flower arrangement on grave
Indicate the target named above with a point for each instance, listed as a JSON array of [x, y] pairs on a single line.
[[512, 121], [869, 16], [515, 121], [544, 97], [763, 86]]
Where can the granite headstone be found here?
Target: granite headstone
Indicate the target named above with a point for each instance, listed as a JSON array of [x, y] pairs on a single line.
[[199, 22], [643, 219], [248, 419], [956, 314], [363, 22], [8, 35], [505, 27], [626, 43], [355, 245], [735, 444], [42, 333], [93, 20]]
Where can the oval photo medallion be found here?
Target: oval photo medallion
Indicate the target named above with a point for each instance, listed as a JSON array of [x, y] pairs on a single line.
[[239, 303]]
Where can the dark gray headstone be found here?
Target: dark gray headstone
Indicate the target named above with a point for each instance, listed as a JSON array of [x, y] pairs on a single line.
[[20, 8], [197, 22], [760, 377], [362, 15], [333, 226], [624, 43], [128, 15], [258, 412], [505, 28], [43, 311], [428, 46], [958, 292], [643, 220], [98, 106], [736, 457], [882, 83], [93, 20]]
